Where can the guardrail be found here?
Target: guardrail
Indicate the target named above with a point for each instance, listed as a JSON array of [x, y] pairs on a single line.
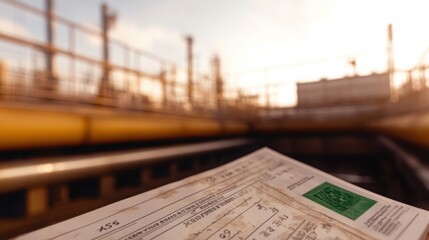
[[39, 192], [18, 175]]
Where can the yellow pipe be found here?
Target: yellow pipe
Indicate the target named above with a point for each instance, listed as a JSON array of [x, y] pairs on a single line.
[[126, 127], [411, 127], [235, 127], [31, 127], [26, 128], [195, 127]]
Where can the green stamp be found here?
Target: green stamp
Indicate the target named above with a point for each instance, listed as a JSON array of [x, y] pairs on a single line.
[[339, 200]]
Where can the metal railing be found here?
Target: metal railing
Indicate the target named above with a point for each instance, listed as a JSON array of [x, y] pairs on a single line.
[[406, 160], [35, 172], [39, 192], [136, 79]]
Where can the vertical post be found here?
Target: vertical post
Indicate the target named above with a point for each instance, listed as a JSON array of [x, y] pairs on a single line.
[[107, 21], [107, 185], [50, 53], [173, 85], [72, 47], [189, 42], [390, 49], [35, 73], [37, 200], [128, 85], [163, 79], [59, 194], [137, 68], [217, 81], [146, 176], [106, 71], [390, 66]]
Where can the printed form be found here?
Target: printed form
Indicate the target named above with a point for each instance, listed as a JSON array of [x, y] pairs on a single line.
[[264, 195]]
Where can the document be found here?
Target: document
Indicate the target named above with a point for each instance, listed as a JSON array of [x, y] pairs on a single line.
[[264, 195]]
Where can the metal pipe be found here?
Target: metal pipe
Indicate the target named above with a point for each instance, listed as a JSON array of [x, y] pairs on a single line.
[[105, 79], [218, 83], [163, 78], [15, 176], [189, 43], [50, 53]]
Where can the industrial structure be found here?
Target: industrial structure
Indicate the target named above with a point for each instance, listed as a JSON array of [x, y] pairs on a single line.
[[355, 90], [80, 122]]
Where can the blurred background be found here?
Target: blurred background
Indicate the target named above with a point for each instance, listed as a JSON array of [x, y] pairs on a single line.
[[102, 100]]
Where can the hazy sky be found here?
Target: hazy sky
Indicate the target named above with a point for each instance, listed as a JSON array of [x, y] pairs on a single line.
[[267, 41]]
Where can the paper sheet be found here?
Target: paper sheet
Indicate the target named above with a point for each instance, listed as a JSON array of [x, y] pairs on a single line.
[[264, 195]]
